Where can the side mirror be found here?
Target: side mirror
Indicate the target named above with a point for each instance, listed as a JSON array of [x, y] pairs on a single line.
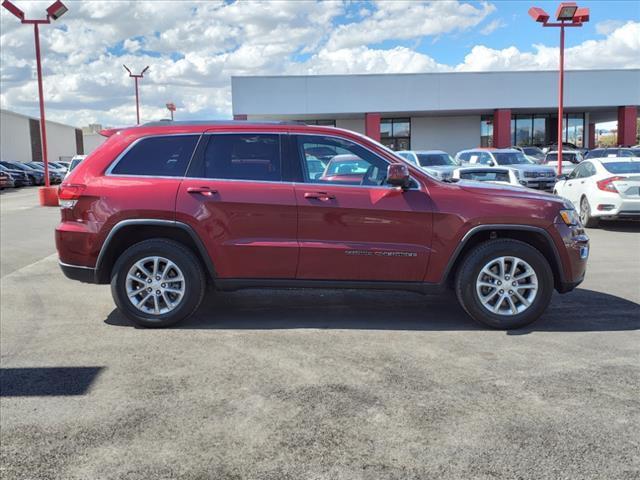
[[562, 177], [491, 163], [398, 175]]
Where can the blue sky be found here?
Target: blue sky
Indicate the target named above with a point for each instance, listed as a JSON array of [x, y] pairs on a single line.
[[193, 48]]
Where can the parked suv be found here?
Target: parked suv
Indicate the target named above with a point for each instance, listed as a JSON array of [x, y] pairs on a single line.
[[529, 174], [160, 211]]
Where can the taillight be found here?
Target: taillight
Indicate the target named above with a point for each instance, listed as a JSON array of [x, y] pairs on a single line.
[[68, 195], [607, 184]]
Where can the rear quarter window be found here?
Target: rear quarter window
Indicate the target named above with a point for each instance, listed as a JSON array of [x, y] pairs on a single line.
[[166, 156]]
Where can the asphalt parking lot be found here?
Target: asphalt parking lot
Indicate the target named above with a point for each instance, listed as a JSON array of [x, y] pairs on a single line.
[[313, 385]]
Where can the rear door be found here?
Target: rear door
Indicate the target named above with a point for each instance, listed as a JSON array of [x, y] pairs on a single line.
[[235, 197], [363, 230]]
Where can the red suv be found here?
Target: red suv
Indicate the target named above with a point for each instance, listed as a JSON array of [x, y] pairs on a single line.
[[162, 210]]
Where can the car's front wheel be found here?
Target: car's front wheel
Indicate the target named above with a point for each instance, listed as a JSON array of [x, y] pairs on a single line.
[[504, 283], [157, 283]]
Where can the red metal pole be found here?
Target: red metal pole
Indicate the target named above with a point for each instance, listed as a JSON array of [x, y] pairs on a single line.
[[43, 127], [560, 100], [137, 105]]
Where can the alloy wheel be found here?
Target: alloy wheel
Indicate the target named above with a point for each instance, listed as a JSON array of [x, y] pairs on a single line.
[[155, 285], [507, 286]]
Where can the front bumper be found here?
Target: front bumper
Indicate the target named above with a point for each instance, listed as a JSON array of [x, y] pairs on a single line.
[[545, 184]]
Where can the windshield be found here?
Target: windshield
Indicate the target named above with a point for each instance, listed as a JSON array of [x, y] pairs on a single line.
[[511, 158], [435, 159], [74, 164], [622, 167], [566, 157], [533, 151]]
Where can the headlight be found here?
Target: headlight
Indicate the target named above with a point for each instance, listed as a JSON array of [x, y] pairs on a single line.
[[570, 217]]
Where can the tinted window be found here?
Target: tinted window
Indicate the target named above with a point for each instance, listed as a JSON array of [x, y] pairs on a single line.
[[622, 167], [510, 158], [486, 176], [158, 156], [597, 153], [242, 157], [435, 159], [464, 156], [580, 171], [345, 162]]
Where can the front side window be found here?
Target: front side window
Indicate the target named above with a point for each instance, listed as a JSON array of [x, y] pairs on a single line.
[[345, 162], [166, 156], [242, 157]]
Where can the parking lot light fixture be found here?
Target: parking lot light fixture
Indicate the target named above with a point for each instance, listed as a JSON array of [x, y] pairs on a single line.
[[172, 108], [135, 78], [567, 15], [55, 11]]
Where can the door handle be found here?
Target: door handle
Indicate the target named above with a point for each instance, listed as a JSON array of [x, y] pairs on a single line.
[[206, 191], [323, 196]]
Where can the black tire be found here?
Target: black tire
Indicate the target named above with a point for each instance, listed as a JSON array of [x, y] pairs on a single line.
[[467, 275], [585, 214], [186, 261]]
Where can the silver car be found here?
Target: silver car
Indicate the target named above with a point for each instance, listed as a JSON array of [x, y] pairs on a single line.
[[436, 163], [530, 175]]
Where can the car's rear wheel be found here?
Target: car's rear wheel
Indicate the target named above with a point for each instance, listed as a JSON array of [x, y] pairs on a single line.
[[504, 283], [157, 283], [585, 214]]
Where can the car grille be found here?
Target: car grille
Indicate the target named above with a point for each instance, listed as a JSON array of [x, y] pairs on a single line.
[[539, 174]]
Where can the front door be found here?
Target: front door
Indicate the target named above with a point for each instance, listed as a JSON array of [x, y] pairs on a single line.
[[351, 226], [235, 199]]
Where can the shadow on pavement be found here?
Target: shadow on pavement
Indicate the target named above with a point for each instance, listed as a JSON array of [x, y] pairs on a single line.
[[619, 226], [579, 311], [46, 381]]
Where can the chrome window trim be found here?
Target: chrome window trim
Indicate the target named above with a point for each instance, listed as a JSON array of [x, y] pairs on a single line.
[[114, 164], [202, 135]]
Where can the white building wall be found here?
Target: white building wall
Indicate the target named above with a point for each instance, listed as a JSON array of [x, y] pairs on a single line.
[[15, 141], [92, 141], [61, 142], [450, 134], [15, 138], [353, 124]]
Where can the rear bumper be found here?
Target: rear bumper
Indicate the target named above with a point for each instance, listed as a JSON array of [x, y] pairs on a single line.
[[77, 272]]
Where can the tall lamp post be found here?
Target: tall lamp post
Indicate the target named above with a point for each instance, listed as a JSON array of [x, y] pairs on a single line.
[[172, 108], [567, 15], [55, 11], [136, 77]]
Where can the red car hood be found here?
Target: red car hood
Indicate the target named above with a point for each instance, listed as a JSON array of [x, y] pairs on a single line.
[[496, 190]]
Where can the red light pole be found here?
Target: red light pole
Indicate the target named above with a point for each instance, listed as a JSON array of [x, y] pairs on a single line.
[[172, 108], [567, 15], [136, 77], [55, 11]]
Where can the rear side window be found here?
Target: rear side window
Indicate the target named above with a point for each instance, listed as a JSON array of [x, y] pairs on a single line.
[[242, 157], [158, 156]]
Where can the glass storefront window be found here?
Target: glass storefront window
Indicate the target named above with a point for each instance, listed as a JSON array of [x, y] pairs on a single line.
[[486, 131], [523, 130], [539, 130], [327, 123], [395, 133]]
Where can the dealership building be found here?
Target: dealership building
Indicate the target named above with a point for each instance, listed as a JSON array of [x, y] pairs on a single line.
[[450, 111]]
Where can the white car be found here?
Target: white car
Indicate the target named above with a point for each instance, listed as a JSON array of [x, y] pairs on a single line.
[[603, 188], [570, 160], [499, 175], [435, 162], [74, 163]]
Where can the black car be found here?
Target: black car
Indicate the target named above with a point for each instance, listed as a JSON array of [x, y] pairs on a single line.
[[18, 177], [610, 152], [36, 177], [6, 181], [54, 175]]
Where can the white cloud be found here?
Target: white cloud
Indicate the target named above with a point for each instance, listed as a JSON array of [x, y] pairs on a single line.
[[607, 26], [621, 49], [493, 26], [194, 48], [403, 20]]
